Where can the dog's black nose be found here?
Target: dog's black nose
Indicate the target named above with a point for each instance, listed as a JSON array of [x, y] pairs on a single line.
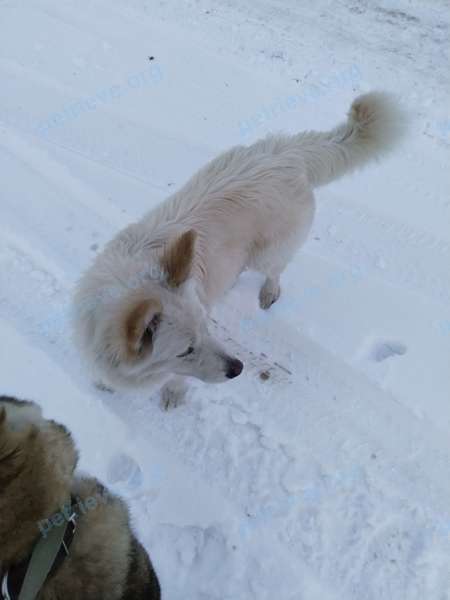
[[234, 368]]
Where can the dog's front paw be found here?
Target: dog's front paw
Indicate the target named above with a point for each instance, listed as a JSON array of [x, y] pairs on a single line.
[[173, 394]]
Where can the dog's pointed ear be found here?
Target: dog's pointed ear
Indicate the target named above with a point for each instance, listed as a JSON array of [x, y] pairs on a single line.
[[178, 257], [140, 326]]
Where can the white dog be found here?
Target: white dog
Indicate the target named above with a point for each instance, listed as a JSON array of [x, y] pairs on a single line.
[[141, 309]]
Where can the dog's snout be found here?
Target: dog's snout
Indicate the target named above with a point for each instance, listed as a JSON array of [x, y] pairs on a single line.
[[234, 368]]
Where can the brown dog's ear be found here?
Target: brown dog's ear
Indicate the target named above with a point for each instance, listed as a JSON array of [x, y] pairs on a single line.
[[2, 417], [140, 326], [5, 437], [177, 259]]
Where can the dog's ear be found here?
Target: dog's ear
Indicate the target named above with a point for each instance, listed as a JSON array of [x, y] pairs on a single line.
[[4, 433], [2, 417], [178, 257], [7, 446], [140, 325]]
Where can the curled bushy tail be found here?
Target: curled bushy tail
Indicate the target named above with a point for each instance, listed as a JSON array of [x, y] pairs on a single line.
[[374, 125]]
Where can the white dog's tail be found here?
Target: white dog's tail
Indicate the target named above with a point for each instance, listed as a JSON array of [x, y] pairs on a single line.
[[373, 126]]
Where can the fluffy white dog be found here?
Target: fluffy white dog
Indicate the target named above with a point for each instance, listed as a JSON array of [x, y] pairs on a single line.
[[141, 309]]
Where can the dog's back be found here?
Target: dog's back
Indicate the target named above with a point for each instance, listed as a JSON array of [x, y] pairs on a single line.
[[111, 561]]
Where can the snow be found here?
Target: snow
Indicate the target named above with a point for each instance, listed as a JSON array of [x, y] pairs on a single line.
[[331, 483]]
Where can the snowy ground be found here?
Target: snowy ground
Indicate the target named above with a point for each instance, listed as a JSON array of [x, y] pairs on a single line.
[[333, 483]]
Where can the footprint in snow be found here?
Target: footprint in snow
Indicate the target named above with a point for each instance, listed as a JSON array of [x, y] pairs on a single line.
[[383, 350], [123, 470]]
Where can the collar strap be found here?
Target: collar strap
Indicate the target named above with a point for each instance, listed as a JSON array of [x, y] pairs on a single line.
[[24, 580]]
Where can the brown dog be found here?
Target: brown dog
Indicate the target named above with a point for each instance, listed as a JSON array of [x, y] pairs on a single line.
[[100, 558]]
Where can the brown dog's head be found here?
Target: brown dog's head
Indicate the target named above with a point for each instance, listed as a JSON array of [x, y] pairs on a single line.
[[37, 460]]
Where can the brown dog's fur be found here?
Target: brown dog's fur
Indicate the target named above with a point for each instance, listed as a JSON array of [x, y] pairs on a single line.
[[37, 462]]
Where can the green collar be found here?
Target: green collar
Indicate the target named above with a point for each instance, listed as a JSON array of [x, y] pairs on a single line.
[[47, 555]]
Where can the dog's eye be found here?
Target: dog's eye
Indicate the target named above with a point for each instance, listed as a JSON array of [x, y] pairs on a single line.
[[190, 350], [147, 338]]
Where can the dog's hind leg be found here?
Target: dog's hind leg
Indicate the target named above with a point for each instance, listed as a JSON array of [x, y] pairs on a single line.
[[272, 263], [269, 292], [276, 255]]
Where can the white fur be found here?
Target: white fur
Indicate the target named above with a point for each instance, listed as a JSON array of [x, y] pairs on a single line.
[[251, 207]]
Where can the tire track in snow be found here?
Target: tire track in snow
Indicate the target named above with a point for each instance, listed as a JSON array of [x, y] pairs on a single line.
[[38, 161]]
